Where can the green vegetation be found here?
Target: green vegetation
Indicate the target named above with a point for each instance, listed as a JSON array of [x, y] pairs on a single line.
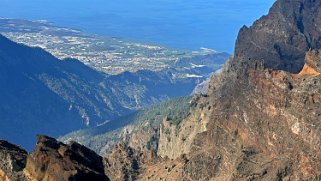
[[146, 121], [175, 110]]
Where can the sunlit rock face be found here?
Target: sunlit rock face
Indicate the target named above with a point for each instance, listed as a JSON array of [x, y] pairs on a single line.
[[262, 113]]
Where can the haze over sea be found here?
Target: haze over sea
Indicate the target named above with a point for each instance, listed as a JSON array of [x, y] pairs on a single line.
[[183, 24]]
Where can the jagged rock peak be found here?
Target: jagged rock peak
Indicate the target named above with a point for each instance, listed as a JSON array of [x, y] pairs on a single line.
[[280, 39]]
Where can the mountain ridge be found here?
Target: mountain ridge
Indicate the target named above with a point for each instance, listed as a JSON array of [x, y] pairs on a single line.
[[42, 93]]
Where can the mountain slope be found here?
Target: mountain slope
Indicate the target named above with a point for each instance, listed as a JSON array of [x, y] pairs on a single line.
[[26, 102], [143, 125], [42, 94]]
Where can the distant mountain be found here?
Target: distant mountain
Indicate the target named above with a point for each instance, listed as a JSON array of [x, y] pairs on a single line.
[[42, 94]]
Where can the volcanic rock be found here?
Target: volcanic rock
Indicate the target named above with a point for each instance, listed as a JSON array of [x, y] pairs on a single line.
[[52, 160], [13, 161], [280, 39]]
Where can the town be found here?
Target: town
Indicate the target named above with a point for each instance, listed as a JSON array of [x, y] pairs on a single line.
[[107, 54]]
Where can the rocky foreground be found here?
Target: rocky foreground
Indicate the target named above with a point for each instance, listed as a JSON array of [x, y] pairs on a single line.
[[260, 118], [50, 160]]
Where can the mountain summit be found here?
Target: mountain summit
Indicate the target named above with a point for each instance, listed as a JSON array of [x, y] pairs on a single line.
[[280, 39]]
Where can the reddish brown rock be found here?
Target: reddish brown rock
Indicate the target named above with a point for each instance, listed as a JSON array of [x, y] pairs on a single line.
[[53, 160], [50, 161], [126, 163]]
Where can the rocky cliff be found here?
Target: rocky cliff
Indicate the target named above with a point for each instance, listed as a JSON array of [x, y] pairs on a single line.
[[260, 118], [280, 39]]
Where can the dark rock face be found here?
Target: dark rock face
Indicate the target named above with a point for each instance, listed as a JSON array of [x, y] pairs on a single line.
[[52, 160], [13, 161], [280, 39]]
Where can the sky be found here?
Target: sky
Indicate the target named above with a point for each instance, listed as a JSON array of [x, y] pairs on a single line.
[[182, 24]]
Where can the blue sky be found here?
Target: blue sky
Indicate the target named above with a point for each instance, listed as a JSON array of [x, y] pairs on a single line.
[[183, 24]]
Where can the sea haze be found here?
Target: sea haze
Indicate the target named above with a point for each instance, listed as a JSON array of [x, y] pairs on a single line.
[[183, 24]]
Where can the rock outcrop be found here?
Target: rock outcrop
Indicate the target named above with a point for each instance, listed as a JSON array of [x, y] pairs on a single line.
[[13, 161], [50, 160], [281, 39], [126, 163]]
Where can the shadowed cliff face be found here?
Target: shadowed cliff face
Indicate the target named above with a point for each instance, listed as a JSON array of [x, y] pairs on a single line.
[[281, 38]]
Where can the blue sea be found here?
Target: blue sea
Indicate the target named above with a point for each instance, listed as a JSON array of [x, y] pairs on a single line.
[[183, 24]]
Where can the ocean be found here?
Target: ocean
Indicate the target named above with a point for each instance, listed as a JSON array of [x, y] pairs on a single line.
[[182, 24]]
